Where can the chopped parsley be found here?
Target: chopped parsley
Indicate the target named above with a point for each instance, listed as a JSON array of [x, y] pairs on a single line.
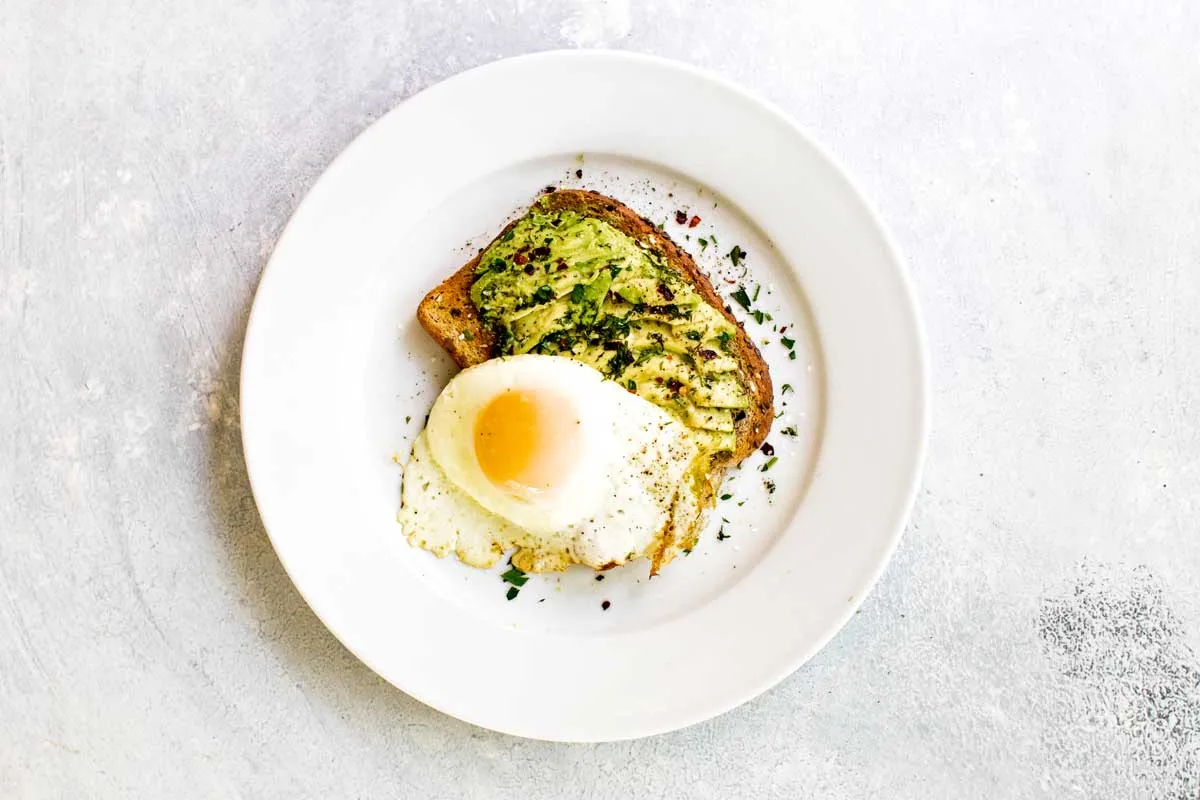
[[726, 496], [512, 592], [770, 486], [736, 255], [742, 298], [515, 576], [703, 243], [790, 430], [759, 316], [786, 342], [757, 289], [791, 355], [724, 338], [787, 387], [722, 535], [544, 294], [621, 359], [770, 463]]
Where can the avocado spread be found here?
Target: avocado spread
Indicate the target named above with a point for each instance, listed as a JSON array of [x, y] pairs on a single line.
[[560, 283]]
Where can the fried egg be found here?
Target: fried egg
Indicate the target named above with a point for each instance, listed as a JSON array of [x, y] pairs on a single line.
[[542, 454]]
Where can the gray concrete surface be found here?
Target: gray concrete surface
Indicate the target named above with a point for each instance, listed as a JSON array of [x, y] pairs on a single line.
[[1037, 633]]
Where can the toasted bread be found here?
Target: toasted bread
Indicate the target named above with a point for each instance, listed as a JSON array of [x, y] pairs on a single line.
[[449, 316]]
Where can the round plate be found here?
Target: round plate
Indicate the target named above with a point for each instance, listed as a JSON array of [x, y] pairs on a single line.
[[337, 377]]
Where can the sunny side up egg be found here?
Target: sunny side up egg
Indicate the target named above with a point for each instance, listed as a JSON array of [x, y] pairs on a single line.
[[542, 454]]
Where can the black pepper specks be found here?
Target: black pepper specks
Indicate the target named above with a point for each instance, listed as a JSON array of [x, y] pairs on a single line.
[[605, 605]]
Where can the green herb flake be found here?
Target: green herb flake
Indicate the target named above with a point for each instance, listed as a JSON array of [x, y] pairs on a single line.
[[512, 592], [407, 420], [631, 385], [770, 486], [770, 463], [736, 255], [515, 576], [725, 338], [786, 342], [742, 298], [787, 387], [759, 316], [790, 430], [703, 243], [468, 336], [726, 496], [577, 293], [791, 355], [722, 535], [757, 289]]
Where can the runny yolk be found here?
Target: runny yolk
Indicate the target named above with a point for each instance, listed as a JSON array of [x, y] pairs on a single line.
[[527, 441]]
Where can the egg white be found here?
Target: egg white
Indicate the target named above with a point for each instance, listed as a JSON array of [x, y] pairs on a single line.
[[579, 493], [631, 495]]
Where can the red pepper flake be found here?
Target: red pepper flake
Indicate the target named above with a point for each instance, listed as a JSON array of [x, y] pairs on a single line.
[[666, 292], [681, 218], [693, 222], [767, 449], [708, 355], [520, 258]]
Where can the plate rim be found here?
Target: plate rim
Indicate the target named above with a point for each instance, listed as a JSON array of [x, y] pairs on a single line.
[[920, 350]]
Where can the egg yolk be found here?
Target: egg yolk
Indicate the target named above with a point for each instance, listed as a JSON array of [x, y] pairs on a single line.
[[526, 441]]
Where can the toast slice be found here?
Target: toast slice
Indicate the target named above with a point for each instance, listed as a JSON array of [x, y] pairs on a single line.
[[451, 319]]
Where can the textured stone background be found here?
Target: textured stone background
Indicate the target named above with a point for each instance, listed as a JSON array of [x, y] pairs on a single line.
[[1037, 633]]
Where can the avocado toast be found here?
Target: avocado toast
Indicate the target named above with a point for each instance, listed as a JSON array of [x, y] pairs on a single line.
[[582, 275]]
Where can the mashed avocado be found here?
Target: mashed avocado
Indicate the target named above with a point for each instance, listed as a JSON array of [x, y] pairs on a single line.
[[560, 283]]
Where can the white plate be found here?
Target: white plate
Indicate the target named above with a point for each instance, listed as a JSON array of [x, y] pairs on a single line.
[[337, 378]]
